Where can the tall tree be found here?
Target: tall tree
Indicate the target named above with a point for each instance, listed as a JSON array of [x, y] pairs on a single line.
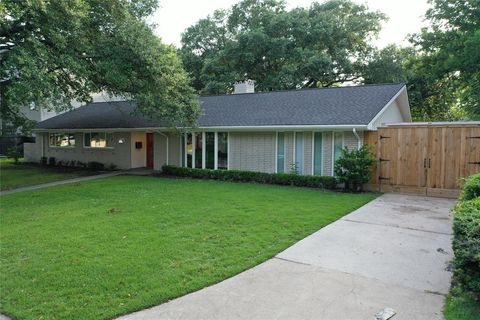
[[323, 45], [430, 99], [55, 51], [451, 55]]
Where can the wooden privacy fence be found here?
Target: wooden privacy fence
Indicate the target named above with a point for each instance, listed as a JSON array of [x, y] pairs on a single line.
[[427, 159]]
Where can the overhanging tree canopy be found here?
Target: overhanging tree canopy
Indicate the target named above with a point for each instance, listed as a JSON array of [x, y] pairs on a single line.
[[322, 45], [55, 51]]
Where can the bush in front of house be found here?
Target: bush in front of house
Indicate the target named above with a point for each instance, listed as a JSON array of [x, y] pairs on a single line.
[[14, 153], [95, 166], [354, 168], [466, 240], [471, 188], [251, 176], [52, 161]]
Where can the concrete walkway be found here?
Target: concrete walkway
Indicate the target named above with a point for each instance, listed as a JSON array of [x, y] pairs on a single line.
[[61, 182], [394, 252]]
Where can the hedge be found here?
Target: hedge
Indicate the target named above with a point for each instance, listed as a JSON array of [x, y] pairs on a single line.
[[471, 188], [466, 237], [250, 176]]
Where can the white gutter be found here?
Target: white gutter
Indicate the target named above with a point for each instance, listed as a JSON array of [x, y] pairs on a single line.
[[359, 144], [219, 128]]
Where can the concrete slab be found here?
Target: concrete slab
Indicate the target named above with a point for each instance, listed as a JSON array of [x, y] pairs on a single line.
[[280, 289], [393, 252], [410, 212], [394, 255]]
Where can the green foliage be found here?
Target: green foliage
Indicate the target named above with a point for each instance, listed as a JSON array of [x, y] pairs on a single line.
[[471, 188], [167, 238], [52, 161], [95, 166], [280, 49], [15, 176], [461, 305], [53, 52], [15, 154], [450, 62], [251, 176], [466, 244], [354, 168], [466, 241]]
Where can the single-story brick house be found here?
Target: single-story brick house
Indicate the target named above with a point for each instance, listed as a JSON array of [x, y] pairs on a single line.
[[278, 131]]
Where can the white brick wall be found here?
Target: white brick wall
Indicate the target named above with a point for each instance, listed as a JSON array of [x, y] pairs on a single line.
[[252, 151]]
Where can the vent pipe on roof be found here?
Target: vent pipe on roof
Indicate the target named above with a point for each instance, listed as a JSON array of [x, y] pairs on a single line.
[[247, 86]]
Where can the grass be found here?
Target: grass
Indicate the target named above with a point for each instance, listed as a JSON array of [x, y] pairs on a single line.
[[14, 176], [461, 306], [103, 248]]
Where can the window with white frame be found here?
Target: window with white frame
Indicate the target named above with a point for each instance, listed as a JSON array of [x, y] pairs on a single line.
[[280, 152], [97, 140], [210, 154], [317, 153], [61, 139]]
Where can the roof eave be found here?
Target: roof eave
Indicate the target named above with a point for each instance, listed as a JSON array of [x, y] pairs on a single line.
[[219, 128]]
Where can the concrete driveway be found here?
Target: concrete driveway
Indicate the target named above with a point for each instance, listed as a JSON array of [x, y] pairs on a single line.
[[394, 252]]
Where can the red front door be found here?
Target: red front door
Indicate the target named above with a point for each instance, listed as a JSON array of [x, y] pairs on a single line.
[[150, 150]]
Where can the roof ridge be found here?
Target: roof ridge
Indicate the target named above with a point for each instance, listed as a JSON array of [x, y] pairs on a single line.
[[306, 89]]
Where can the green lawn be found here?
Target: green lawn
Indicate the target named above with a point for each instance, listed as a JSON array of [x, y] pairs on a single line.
[[103, 248], [14, 176], [461, 306]]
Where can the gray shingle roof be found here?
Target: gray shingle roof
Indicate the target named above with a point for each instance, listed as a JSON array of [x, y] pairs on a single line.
[[355, 105]]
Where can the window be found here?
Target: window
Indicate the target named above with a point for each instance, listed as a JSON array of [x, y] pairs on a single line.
[[222, 154], [62, 140], [97, 140], [193, 150], [280, 152], [317, 154], [210, 150], [182, 147], [198, 150], [189, 150], [299, 152], [337, 145]]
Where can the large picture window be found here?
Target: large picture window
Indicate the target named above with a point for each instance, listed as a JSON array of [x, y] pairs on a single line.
[[198, 150], [59, 139], [210, 150], [317, 154], [97, 140], [337, 145], [280, 152], [299, 152], [222, 153], [189, 149], [214, 149]]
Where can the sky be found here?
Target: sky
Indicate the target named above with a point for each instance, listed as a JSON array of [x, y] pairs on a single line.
[[405, 17]]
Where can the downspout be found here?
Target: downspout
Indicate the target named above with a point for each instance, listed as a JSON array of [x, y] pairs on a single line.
[[166, 137], [358, 138]]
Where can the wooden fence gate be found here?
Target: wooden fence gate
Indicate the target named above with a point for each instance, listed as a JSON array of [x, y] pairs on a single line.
[[426, 159]]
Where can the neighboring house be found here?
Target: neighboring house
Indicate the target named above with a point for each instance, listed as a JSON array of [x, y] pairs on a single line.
[[302, 130]]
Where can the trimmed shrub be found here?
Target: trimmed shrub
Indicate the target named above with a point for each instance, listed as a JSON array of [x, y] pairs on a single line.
[[95, 166], [51, 161], [466, 244], [471, 188], [43, 161], [354, 168], [250, 176]]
